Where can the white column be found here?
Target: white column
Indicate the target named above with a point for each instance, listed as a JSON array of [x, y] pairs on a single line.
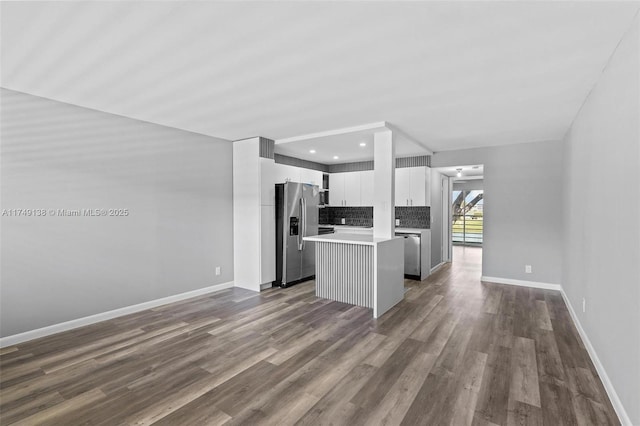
[[384, 156], [246, 214]]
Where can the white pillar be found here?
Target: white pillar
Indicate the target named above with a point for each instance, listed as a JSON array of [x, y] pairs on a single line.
[[384, 177]]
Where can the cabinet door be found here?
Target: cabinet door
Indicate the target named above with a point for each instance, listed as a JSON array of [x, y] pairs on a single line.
[[418, 186], [336, 189], [352, 189], [285, 173], [403, 186], [313, 177], [428, 188], [366, 188], [267, 244], [267, 182]]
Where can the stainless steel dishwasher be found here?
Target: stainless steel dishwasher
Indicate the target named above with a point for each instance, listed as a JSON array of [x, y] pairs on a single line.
[[411, 254]]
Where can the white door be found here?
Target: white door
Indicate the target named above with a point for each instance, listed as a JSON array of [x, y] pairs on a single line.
[[352, 189], [336, 189], [366, 188], [403, 186], [285, 173], [418, 186], [427, 186], [313, 177]]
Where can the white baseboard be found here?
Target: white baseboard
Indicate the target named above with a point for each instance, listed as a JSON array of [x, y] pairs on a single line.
[[613, 396], [522, 283], [92, 319], [438, 266]]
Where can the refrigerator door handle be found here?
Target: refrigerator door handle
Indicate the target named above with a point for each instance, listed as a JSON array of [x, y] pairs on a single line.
[[303, 207], [303, 224]]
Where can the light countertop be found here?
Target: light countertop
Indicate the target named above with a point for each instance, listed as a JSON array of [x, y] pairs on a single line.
[[346, 238], [364, 229]]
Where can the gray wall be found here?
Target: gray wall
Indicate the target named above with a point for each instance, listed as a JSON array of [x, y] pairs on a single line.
[[602, 220], [522, 208], [178, 189]]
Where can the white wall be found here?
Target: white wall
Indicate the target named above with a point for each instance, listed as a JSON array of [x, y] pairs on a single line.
[[522, 208], [175, 184], [470, 185], [602, 220]]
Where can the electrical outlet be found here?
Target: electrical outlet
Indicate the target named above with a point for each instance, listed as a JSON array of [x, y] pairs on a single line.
[[217, 270], [527, 269], [584, 305], [342, 221], [397, 222]]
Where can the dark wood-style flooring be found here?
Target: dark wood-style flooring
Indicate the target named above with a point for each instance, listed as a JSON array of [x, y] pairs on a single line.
[[455, 351]]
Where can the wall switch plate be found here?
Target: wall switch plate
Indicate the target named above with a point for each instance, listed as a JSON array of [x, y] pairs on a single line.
[[342, 221], [397, 222], [584, 305], [527, 269], [217, 270]]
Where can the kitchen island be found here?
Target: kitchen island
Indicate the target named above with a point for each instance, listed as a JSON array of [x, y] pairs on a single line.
[[360, 270]]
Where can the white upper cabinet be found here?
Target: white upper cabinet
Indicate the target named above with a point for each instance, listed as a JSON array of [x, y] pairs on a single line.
[[413, 186], [336, 189], [427, 186], [403, 187], [285, 173], [313, 177], [345, 189], [267, 182], [366, 188], [352, 189], [418, 177]]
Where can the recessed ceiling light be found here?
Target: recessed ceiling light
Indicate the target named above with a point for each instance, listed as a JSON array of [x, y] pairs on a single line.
[[335, 157], [313, 151], [459, 174], [363, 144]]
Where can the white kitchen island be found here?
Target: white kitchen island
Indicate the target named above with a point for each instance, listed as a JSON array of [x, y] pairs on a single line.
[[360, 270]]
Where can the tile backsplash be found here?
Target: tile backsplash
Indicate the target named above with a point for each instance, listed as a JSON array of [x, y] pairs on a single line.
[[354, 216], [410, 217], [414, 217]]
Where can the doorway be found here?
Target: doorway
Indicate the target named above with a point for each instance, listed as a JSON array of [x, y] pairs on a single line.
[[467, 217]]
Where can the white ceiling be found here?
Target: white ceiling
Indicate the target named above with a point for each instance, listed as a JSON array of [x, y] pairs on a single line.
[[345, 144], [449, 74]]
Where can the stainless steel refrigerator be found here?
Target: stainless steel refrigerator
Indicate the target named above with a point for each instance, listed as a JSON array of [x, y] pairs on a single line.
[[296, 218]]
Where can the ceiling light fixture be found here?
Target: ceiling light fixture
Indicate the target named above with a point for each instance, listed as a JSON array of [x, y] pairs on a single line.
[[335, 157], [363, 144], [313, 151], [459, 174]]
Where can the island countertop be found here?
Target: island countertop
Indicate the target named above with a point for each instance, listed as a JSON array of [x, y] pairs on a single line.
[[366, 229], [345, 238]]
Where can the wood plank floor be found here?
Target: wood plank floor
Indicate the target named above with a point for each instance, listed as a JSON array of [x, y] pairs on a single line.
[[455, 351]]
